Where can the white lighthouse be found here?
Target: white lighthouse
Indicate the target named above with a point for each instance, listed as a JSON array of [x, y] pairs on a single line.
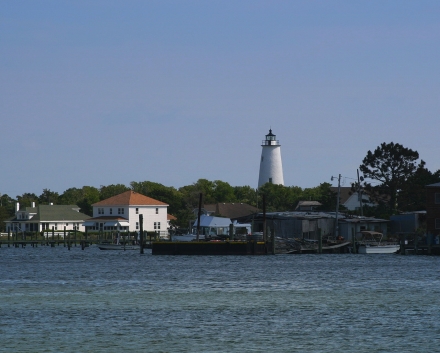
[[271, 168]]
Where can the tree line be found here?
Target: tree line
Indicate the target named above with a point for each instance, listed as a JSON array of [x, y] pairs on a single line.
[[393, 177], [181, 201]]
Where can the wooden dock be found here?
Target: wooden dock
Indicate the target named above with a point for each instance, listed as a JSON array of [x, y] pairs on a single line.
[[212, 248]]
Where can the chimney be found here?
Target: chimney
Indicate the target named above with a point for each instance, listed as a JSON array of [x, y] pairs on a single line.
[[17, 206], [33, 204]]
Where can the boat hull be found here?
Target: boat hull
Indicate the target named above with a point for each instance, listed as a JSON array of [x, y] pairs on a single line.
[[117, 247], [379, 249], [186, 237]]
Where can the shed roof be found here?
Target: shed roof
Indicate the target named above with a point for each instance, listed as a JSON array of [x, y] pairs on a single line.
[[211, 221], [231, 210]]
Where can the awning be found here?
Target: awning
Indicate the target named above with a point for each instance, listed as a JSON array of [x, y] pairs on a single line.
[[124, 224], [111, 224], [89, 224]]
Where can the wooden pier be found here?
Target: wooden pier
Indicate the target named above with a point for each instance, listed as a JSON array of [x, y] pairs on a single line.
[[212, 248], [412, 244]]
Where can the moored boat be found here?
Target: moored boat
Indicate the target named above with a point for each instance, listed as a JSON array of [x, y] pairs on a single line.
[[108, 246], [371, 243]]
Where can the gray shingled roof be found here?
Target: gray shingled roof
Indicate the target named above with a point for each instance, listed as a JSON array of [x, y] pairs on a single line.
[[47, 213]]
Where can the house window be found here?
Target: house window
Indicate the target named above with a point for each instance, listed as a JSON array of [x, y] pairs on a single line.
[[157, 225], [437, 197], [137, 225], [120, 210], [111, 210], [437, 223], [137, 210], [100, 211], [157, 210]]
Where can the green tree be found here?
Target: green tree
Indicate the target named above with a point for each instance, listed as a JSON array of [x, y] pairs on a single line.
[[48, 197], [246, 194], [412, 195], [7, 210], [169, 195], [190, 193], [90, 196], [223, 192], [71, 196], [108, 191], [392, 165], [26, 199], [278, 197]]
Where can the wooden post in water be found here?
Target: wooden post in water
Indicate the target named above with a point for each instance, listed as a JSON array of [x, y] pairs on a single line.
[[416, 243], [141, 225], [273, 242], [264, 218], [231, 232], [64, 238], [74, 234], [68, 240], [402, 244], [319, 241], [53, 236], [429, 241], [198, 216]]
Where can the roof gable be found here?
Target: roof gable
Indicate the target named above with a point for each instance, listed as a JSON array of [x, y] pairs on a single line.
[[130, 198]]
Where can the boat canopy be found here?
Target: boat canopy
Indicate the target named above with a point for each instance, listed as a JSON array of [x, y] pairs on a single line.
[[214, 222]]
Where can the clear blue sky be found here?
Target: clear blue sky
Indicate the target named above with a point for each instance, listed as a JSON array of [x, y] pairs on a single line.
[[106, 92]]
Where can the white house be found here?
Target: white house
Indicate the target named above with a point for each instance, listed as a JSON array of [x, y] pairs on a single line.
[[121, 213], [351, 200], [46, 217]]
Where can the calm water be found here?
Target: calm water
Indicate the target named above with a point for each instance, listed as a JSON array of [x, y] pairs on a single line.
[[55, 300]]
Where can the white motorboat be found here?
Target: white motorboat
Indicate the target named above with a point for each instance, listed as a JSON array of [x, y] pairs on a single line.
[[186, 237], [108, 246], [371, 243], [210, 226]]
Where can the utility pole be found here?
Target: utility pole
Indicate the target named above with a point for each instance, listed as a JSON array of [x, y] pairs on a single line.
[[360, 194], [337, 205]]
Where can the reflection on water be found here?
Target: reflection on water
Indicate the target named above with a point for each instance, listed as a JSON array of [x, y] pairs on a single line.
[[55, 300]]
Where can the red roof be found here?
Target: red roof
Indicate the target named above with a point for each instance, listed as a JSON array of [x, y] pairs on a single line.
[[130, 198]]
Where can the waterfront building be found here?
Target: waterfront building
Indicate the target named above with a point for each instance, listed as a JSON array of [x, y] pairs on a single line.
[[46, 217], [271, 167], [433, 209], [121, 213]]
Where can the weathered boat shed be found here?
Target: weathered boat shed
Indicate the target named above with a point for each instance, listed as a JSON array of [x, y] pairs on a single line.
[[309, 225]]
